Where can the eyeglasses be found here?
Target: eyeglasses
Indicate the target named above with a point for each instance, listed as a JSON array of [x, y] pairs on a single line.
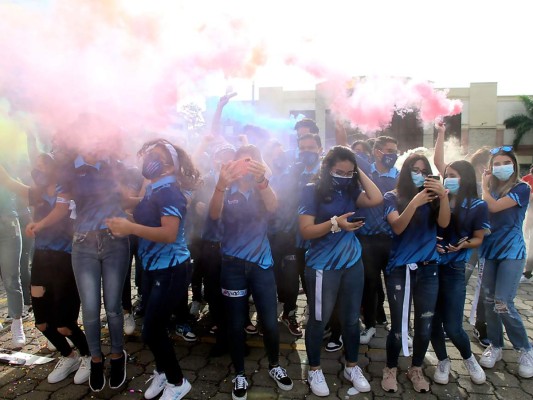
[[501, 148], [420, 171], [342, 174]]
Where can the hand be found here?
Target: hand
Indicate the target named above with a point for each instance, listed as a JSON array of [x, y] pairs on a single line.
[[451, 249], [225, 99], [441, 250], [440, 126], [257, 169], [485, 179], [424, 197], [119, 226], [32, 229], [228, 175], [348, 226], [436, 187]]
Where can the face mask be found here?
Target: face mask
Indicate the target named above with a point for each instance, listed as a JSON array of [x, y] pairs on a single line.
[[388, 160], [363, 156], [452, 184], [40, 178], [503, 172], [152, 166], [308, 158], [418, 179], [340, 182]]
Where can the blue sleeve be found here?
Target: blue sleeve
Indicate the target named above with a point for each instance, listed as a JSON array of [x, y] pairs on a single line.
[[520, 194], [172, 203], [308, 204], [481, 220], [390, 204]]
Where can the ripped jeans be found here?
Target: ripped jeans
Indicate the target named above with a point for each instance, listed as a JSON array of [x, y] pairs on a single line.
[[500, 283], [424, 292]]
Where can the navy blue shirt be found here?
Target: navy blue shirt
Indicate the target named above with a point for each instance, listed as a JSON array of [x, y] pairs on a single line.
[[57, 237], [96, 191], [245, 224], [506, 241], [473, 218], [418, 242], [334, 250], [375, 224], [162, 199]]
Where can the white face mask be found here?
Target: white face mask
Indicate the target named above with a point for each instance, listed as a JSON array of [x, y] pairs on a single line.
[[503, 172]]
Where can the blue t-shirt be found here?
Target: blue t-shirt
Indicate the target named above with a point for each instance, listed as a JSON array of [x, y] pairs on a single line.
[[57, 237], [473, 218], [418, 242], [96, 191], [162, 199], [375, 224], [245, 225], [334, 250], [506, 241]]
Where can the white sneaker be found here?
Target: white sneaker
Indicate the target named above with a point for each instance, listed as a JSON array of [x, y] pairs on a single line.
[[195, 308], [524, 279], [318, 383], [442, 373], [490, 356], [367, 335], [409, 341], [173, 392], [64, 367], [159, 381], [129, 324], [355, 375], [525, 364], [477, 375], [84, 370], [17, 330]]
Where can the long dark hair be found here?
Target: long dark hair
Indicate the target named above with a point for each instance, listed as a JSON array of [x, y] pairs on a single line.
[[186, 173], [467, 189], [406, 189], [324, 181]]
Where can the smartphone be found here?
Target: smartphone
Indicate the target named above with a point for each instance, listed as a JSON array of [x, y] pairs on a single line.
[[356, 219], [242, 166], [436, 177], [461, 241]]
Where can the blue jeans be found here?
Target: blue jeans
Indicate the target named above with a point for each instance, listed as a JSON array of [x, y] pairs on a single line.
[[101, 260], [424, 291], [324, 289], [10, 248], [450, 311], [237, 276], [164, 289], [500, 283]]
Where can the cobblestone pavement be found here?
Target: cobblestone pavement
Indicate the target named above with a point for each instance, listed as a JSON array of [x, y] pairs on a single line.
[[211, 378]]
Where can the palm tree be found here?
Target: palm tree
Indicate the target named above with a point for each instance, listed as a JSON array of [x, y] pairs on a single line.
[[521, 123]]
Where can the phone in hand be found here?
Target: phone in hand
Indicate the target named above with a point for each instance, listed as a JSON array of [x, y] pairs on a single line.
[[353, 218], [241, 166], [436, 177], [461, 241]]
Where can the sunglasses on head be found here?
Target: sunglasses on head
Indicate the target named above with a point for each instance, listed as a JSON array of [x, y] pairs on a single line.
[[501, 148]]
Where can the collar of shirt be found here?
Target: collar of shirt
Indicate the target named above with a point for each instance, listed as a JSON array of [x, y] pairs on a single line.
[[391, 173], [314, 171], [80, 162], [161, 182], [235, 188]]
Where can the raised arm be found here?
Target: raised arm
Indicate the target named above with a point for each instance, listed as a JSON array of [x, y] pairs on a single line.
[[20, 189], [438, 157], [371, 195], [341, 137]]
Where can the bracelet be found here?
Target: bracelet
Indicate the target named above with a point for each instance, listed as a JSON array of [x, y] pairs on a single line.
[[261, 181], [263, 184], [334, 225], [220, 190]]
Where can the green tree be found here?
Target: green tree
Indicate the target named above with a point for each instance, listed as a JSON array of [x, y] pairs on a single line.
[[521, 123]]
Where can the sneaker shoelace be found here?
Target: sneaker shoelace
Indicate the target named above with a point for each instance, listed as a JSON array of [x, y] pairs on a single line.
[[240, 382], [156, 378], [442, 366], [61, 363], [357, 373], [279, 373], [489, 352], [526, 358], [318, 376], [389, 374], [418, 376]]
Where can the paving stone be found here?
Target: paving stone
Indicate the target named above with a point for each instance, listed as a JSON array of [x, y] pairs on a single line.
[[70, 392], [34, 395], [18, 387]]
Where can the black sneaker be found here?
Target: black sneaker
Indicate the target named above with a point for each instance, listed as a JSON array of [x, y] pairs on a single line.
[[118, 371], [240, 387], [280, 376], [97, 377]]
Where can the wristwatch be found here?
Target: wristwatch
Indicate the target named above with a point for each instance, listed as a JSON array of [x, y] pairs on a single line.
[[334, 225]]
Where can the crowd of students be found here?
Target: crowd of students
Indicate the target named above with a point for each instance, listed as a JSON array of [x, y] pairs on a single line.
[[261, 220]]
